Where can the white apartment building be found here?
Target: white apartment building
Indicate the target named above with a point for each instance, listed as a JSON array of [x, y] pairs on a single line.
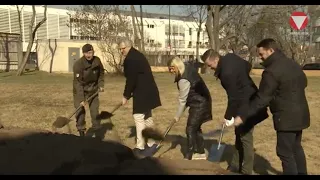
[[156, 27], [56, 26]]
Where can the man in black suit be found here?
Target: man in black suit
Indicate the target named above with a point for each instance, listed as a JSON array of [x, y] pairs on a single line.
[[233, 72], [282, 88], [141, 86]]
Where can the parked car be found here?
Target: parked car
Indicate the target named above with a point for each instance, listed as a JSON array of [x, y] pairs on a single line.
[[311, 66]]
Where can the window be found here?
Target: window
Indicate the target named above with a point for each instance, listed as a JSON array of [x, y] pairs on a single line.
[[74, 37], [189, 44], [151, 41], [167, 29], [150, 26], [190, 31], [181, 44]]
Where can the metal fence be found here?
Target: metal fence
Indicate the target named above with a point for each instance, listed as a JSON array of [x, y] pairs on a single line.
[[162, 59], [10, 51], [158, 60]]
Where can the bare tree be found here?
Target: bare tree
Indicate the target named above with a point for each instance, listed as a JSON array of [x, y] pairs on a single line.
[[199, 14], [217, 17], [138, 27], [32, 34], [136, 41], [53, 52], [314, 14], [142, 30], [102, 23], [240, 26], [273, 23], [117, 12]]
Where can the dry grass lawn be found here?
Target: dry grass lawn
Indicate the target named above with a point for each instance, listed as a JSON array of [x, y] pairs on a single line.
[[35, 100]]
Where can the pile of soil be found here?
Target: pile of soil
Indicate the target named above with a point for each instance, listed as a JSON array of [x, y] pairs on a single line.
[[24, 151]]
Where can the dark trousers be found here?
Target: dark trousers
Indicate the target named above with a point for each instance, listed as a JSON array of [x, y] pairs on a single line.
[[243, 156], [94, 112], [291, 153], [195, 142]]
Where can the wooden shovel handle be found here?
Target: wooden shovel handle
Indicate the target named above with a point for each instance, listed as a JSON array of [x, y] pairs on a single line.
[[80, 106]]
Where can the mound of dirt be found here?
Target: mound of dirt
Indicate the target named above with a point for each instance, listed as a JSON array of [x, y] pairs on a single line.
[[24, 151]]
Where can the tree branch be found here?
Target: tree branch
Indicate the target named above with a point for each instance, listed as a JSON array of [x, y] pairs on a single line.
[[41, 22], [234, 14]]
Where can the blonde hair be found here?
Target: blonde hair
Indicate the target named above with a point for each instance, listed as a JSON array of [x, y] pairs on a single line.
[[177, 62]]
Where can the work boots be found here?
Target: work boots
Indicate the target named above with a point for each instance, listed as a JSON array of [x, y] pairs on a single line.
[[190, 147], [81, 133], [195, 148], [199, 148]]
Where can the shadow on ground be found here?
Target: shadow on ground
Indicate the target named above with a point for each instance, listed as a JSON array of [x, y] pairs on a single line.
[[133, 131], [28, 152], [100, 133], [261, 165]]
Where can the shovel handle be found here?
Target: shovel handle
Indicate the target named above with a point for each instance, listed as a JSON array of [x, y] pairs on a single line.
[[221, 135], [167, 131], [116, 108], [80, 106]]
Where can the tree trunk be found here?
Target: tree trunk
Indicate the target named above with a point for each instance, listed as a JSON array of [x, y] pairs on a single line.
[[32, 34], [120, 18], [198, 44], [216, 27], [138, 27], [142, 31], [53, 52], [209, 25], [20, 39], [135, 34]]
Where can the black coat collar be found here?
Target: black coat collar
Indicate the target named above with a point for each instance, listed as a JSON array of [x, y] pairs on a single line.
[[217, 72], [273, 57]]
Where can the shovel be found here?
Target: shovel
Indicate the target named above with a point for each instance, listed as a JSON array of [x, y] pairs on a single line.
[[60, 122], [154, 149], [216, 151], [212, 134], [107, 115]]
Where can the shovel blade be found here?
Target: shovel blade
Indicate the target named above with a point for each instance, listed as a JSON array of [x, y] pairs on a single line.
[[61, 122], [213, 134], [105, 115], [215, 154], [151, 151]]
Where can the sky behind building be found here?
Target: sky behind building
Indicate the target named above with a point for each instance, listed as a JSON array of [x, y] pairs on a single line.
[[162, 9]]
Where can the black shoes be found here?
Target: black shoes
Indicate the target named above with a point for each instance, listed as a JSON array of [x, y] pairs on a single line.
[[82, 133]]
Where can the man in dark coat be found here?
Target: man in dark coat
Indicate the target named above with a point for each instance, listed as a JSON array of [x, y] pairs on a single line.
[[282, 88], [88, 74], [141, 86], [233, 72], [193, 93]]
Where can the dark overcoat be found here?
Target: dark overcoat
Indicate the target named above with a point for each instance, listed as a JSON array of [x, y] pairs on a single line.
[[140, 83], [234, 75], [282, 88]]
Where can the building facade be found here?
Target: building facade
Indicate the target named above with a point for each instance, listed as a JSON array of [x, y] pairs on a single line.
[[183, 34]]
